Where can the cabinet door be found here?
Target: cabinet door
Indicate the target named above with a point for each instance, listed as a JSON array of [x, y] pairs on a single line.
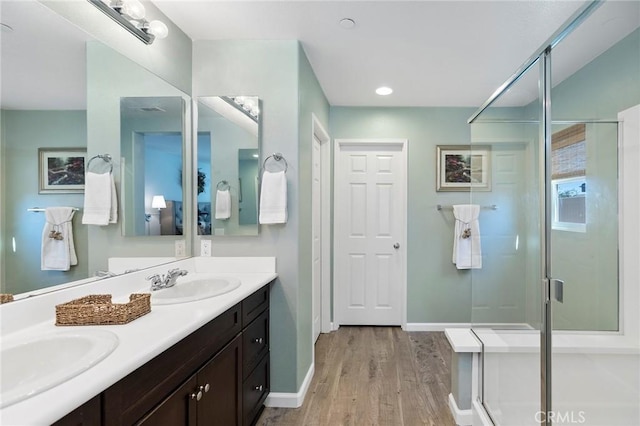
[[177, 409], [220, 380]]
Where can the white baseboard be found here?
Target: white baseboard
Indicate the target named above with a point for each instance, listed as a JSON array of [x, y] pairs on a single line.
[[291, 400], [334, 326], [462, 417], [440, 326]]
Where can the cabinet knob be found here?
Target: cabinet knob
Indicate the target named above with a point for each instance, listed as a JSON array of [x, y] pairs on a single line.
[[259, 388], [197, 396], [258, 340], [205, 388]]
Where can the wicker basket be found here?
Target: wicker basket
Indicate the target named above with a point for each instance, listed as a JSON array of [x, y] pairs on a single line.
[[97, 309], [6, 298]]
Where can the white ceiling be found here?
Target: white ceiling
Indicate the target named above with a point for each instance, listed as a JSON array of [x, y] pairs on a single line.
[[43, 59], [432, 53]]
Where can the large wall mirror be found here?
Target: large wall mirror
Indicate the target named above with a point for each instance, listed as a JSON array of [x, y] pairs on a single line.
[[228, 165], [61, 90]]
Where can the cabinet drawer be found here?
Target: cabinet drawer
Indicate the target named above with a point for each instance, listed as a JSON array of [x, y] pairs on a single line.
[[254, 305], [255, 342], [255, 391]]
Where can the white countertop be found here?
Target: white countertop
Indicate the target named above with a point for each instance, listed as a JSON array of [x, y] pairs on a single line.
[[139, 341]]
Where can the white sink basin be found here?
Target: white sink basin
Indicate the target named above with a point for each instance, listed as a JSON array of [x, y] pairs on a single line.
[[194, 287], [32, 365]]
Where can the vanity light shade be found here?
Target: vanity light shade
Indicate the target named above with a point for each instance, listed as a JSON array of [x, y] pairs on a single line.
[[158, 29], [158, 202], [133, 9]]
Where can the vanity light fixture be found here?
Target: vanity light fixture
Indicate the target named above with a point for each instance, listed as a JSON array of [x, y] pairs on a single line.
[[248, 105], [130, 15], [384, 91]]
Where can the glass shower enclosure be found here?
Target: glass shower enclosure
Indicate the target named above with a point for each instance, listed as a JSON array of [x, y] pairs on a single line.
[[555, 302]]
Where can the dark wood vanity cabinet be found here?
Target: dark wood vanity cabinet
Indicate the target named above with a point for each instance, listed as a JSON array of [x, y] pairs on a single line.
[[211, 396], [218, 375], [255, 355], [87, 414]]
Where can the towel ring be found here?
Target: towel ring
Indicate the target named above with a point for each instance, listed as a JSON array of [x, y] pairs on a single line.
[[223, 185], [278, 157], [104, 157]]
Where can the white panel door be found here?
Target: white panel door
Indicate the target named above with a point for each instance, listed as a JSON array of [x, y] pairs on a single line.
[[316, 236], [370, 232]]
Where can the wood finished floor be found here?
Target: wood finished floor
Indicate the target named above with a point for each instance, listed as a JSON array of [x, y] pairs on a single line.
[[374, 376]]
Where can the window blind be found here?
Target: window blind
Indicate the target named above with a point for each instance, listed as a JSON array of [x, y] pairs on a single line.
[[569, 152]]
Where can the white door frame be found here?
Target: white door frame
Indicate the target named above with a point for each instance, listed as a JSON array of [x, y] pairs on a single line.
[[403, 143], [318, 131]]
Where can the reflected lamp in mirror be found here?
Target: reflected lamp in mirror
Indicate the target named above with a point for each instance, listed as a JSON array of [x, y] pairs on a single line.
[[158, 202]]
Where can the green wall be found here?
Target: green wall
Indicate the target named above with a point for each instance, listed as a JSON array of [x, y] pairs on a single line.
[[436, 290], [588, 262], [277, 73], [111, 76], [23, 132], [311, 101]]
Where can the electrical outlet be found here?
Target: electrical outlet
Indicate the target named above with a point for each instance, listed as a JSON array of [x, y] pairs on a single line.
[[181, 250], [205, 247]]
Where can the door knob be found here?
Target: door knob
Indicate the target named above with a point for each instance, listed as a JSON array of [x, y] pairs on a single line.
[[396, 246]]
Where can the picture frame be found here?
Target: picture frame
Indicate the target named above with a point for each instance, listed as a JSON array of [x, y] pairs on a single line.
[[61, 170], [463, 168]]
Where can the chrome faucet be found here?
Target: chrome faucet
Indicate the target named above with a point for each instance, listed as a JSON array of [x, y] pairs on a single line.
[[165, 281]]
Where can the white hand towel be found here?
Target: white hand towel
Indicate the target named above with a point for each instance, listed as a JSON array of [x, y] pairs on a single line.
[[467, 251], [100, 199], [58, 250], [273, 198], [223, 204]]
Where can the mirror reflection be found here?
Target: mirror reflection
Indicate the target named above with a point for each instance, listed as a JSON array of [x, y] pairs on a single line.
[[47, 114], [228, 161], [151, 149]]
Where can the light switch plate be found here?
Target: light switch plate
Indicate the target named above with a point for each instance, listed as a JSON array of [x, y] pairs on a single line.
[[181, 250], [205, 247]]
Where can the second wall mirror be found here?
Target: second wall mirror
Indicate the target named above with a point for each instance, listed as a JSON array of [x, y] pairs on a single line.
[[228, 165]]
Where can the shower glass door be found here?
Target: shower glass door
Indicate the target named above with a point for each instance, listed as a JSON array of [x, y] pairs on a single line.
[[506, 296], [595, 369]]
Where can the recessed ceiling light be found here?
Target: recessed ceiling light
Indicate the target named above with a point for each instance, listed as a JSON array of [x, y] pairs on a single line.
[[384, 91], [347, 23]]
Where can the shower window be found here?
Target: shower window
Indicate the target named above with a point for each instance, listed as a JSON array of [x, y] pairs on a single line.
[[569, 204], [569, 158]]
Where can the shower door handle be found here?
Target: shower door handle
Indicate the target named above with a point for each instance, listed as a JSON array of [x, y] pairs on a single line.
[[557, 290]]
